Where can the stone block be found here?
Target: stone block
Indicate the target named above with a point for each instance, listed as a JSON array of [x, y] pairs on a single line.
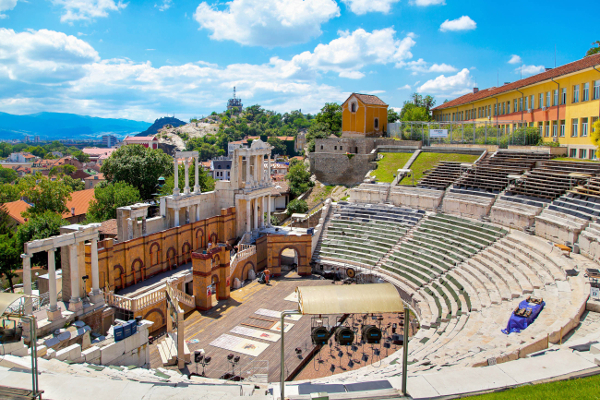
[[20, 352], [132, 342], [595, 349], [112, 351], [50, 354], [41, 351], [9, 348], [91, 353], [70, 353]]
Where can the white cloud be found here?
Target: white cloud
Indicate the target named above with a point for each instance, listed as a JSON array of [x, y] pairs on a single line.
[[405, 87], [349, 53], [528, 70], [166, 4], [458, 84], [6, 5], [463, 23], [425, 3], [361, 7], [515, 59], [267, 23], [86, 10], [421, 66]]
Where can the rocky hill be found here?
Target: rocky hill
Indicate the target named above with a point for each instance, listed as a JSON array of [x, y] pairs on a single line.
[[159, 124], [177, 136]]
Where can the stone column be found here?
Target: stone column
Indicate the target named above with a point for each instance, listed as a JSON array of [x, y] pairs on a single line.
[[256, 213], [262, 213], [196, 171], [248, 225], [95, 294], [197, 212], [75, 303], [269, 211], [53, 312], [187, 215], [186, 189], [176, 216], [269, 162], [129, 228], [176, 182], [27, 283], [144, 226], [256, 168], [247, 170]]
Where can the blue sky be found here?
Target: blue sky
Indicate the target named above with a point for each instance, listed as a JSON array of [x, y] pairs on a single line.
[[145, 59]]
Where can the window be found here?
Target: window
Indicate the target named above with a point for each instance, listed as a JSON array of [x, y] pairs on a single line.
[[555, 100], [321, 147], [541, 103], [547, 130], [548, 99], [521, 104], [582, 153], [503, 108], [593, 155], [341, 148], [353, 107], [562, 128], [584, 127], [585, 96], [532, 101], [515, 106], [554, 129], [527, 103], [490, 110], [574, 127], [335, 147], [573, 153], [596, 90], [376, 123], [576, 94], [495, 109], [563, 99]]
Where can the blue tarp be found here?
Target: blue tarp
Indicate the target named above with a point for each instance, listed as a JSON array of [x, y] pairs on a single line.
[[517, 324]]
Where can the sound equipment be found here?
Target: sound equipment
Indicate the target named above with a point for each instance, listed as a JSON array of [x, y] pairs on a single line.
[[371, 334], [351, 273], [319, 335], [344, 336]]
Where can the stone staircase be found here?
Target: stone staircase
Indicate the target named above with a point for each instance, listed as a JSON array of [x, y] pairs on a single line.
[[325, 228], [167, 348], [401, 239]]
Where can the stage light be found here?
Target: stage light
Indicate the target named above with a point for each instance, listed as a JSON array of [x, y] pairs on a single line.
[[236, 359], [319, 335], [207, 360], [298, 350], [344, 336], [371, 334], [229, 356], [198, 356]]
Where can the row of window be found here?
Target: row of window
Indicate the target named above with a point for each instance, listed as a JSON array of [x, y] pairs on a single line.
[[548, 99], [580, 127], [583, 153]]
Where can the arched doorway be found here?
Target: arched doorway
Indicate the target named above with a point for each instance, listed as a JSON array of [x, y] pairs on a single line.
[[248, 270], [199, 242], [154, 254], [171, 258], [186, 251], [119, 279], [288, 258], [138, 270]]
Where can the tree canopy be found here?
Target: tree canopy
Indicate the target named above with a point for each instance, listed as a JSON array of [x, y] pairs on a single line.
[[110, 196], [8, 175], [9, 248], [594, 50], [299, 178], [40, 226], [139, 167], [206, 182], [45, 194]]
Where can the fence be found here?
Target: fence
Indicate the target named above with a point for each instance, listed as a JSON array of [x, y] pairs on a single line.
[[500, 133]]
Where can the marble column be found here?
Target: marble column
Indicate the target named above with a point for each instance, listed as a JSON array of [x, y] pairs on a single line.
[[248, 224], [247, 170], [269, 210], [27, 282], [262, 211], [269, 163], [256, 168], [187, 215], [53, 312], [129, 228], [197, 212], [176, 182], [256, 213], [95, 294], [176, 216], [186, 189], [196, 176], [75, 302]]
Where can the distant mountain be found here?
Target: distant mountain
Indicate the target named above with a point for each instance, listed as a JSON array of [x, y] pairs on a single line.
[[159, 124], [52, 126]]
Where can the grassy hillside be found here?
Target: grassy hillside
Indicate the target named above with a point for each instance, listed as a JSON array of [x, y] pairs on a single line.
[[426, 161], [583, 388], [387, 167]]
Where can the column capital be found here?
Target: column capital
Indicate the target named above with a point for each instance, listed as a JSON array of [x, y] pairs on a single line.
[[25, 255]]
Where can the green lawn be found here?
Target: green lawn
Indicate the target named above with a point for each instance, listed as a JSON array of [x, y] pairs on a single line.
[[426, 161], [573, 159], [583, 388], [387, 167]]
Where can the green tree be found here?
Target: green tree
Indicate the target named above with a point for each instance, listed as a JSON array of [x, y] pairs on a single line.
[[299, 178], [393, 116], [110, 196], [9, 248], [594, 50], [75, 184], [45, 194], [414, 113], [331, 117], [8, 175], [40, 226], [296, 206], [37, 151], [138, 166], [595, 136], [278, 146], [62, 169], [81, 156], [9, 192]]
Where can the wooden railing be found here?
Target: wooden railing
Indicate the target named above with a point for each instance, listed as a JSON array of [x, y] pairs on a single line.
[[245, 251]]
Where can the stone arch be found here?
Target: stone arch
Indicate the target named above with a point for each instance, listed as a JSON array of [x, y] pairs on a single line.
[[172, 257], [285, 248], [159, 312], [245, 271], [141, 269], [155, 249], [121, 276], [186, 249], [199, 241], [214, 238]]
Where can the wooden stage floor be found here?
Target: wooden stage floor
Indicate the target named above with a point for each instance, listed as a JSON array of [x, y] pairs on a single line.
[[207, 326]]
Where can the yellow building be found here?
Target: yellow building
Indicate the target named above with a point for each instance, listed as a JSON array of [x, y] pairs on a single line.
[[364, 115], [563, 102]]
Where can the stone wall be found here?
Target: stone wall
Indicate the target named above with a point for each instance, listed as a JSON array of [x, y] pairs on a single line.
[[338, 169], [362, 145]]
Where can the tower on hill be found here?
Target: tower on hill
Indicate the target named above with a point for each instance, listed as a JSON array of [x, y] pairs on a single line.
[[235, 102]]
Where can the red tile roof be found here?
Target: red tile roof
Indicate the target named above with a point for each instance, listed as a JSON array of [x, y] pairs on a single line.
[[142, 139], [584, 63], [286, 138], [280, 188], [97, 177], [80, 174], [15, 208], [109, 227], [368, 99], [80, 200]]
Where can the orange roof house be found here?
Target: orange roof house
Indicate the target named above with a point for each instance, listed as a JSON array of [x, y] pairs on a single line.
[[364, 115], [14, 210]]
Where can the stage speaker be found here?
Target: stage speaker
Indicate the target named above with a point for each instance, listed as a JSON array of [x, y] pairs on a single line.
[[319, 335], [344, 336], [371, 334]]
